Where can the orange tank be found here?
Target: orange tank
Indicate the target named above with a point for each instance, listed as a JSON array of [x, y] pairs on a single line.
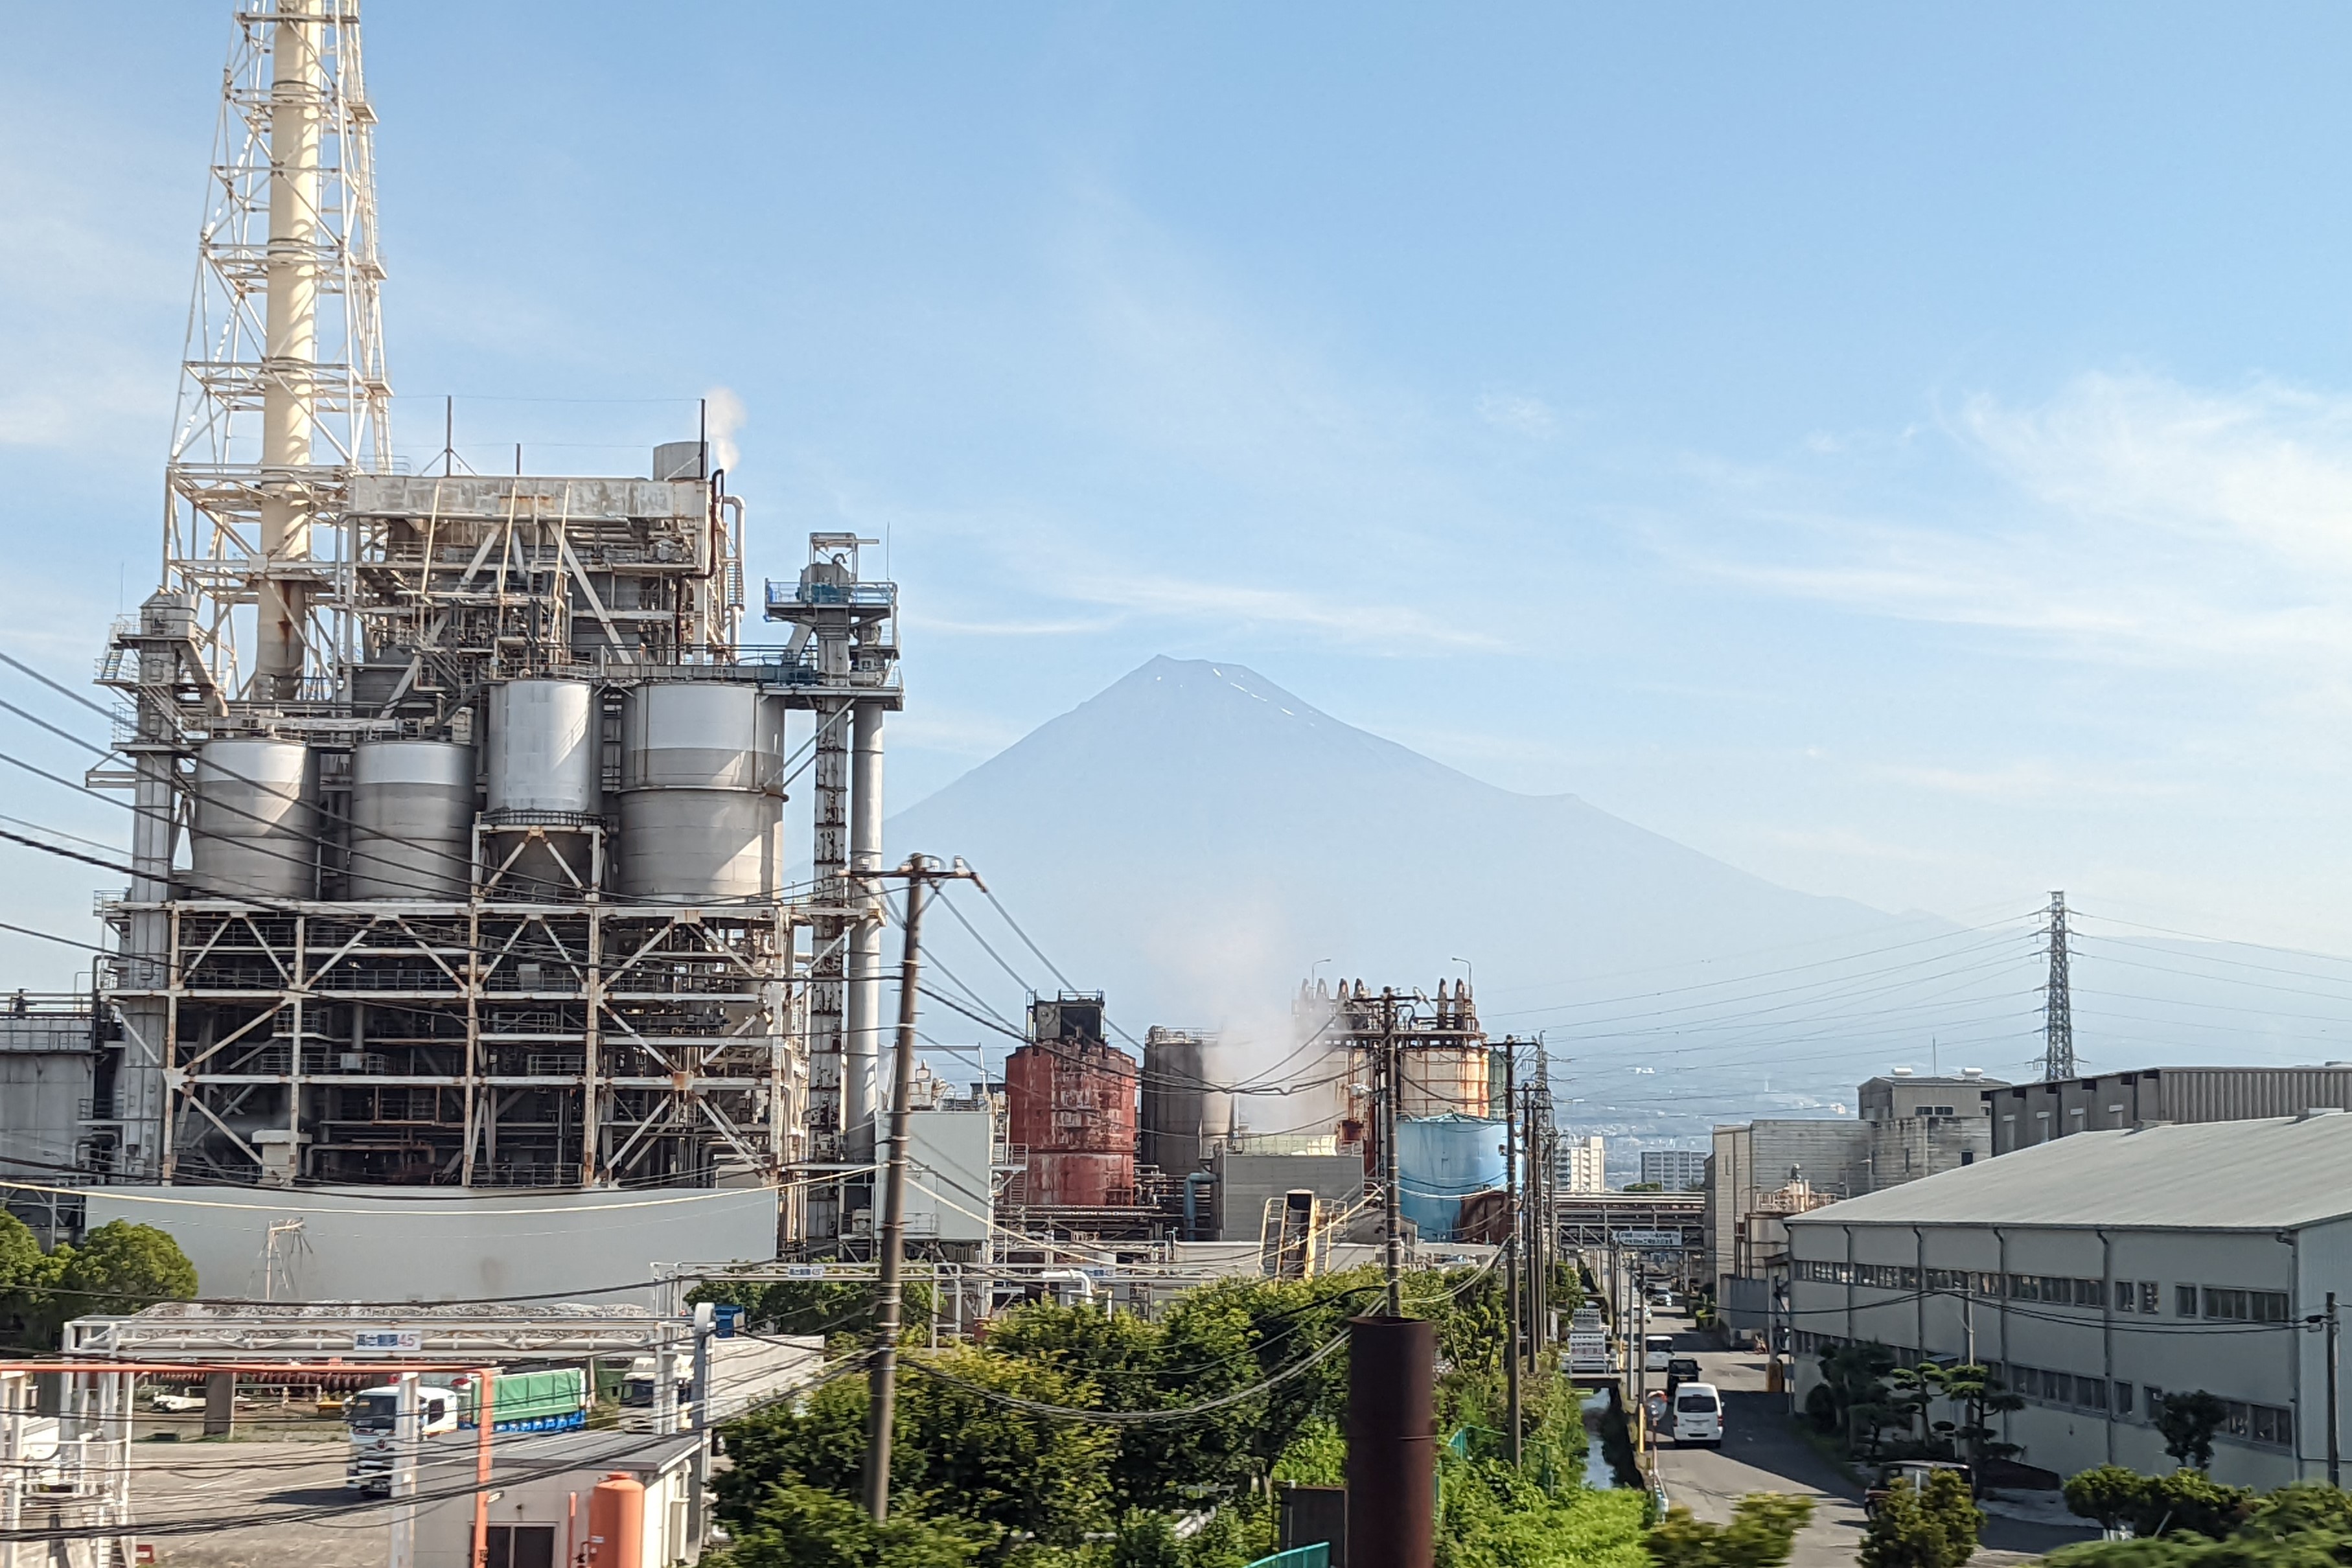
[[616, 1522], [1072, 1104]]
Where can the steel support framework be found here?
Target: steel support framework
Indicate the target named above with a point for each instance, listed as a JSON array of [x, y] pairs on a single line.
[[477, 1044]]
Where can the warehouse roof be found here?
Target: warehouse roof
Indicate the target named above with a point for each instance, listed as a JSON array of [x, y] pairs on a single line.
[[2272, 1174]]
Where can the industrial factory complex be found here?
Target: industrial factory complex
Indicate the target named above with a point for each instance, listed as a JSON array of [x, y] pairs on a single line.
[[457, 927]]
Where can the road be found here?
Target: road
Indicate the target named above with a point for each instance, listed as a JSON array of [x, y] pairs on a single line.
[[252, 1505], [1762, 1452]]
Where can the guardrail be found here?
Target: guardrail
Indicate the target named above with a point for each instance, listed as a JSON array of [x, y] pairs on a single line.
[[1318, 1555]]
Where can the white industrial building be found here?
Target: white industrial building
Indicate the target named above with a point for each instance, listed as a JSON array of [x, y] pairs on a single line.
[[2098, 1271], [1585, 1164]]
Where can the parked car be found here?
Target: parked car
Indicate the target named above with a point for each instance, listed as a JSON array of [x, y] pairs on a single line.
[[1912, 1473], [1697, 1415], [1681, 1369], [1657, 1349]]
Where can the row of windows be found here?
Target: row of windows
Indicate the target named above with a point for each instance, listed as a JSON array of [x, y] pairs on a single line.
[[2126, 1295], [2269, 1425]]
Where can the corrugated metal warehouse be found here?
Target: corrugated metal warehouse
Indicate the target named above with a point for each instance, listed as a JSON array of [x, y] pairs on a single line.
[[2102, 1270]]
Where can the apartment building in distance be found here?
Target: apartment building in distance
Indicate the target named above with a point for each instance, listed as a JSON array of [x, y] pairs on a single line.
[[1675, 1170], [1585, 1164]]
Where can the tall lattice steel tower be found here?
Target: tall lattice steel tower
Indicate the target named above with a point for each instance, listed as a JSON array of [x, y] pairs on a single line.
[[2058, 1002], [282, 389]]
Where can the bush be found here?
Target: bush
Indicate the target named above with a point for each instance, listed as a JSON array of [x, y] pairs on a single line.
[[2303, 1525], [2107, 1495], [1931, 1527], [801, 1526], [1762, 1530]]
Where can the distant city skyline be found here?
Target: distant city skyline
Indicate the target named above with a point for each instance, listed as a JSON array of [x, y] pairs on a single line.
[[1904, 455]]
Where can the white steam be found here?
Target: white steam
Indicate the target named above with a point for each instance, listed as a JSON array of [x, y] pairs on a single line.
[[723, 415]]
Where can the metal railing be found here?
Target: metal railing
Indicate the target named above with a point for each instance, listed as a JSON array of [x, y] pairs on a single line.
[[1318, 1555]]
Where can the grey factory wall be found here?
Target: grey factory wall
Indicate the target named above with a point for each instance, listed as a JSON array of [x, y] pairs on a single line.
[[1245, 1183], [433, 1244]]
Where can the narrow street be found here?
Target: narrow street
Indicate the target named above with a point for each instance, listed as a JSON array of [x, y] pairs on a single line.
[[1762, 1452]]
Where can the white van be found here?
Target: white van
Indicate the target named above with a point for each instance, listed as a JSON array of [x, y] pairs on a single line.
[[1697, 1415], [1657, 1349]]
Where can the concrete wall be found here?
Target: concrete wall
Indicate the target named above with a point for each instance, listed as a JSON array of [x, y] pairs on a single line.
[[2275, 1365], [436, 1244]]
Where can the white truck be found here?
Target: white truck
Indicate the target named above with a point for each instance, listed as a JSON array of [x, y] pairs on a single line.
[[368, 1418]]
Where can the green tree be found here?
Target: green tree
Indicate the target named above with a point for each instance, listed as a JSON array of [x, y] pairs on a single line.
[[2109, 1494], [825, 1307], [1933, 1525], [1979, 1396], [1912, 1393], [1146, 1540], [803, 1527], [1762, 1530], [2188, 1502], [1853, 1391], [2188, 1422], [24, 1274], [1017, 1475]]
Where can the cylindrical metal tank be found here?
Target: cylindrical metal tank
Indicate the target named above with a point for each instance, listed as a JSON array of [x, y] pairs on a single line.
[[1445, 1080], [1180, 1112], [412, 819], [1440, 1160], [257, 820], [702, 802], [1071, 1105], [543, 745], [1392, 1467]]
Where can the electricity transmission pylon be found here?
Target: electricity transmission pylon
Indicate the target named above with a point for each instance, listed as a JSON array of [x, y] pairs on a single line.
[[2058, 1002]]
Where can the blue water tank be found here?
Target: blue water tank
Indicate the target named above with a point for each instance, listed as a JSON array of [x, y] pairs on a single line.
[[1440, 1160]]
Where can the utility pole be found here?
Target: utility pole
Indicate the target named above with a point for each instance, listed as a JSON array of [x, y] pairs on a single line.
[[882, 1400], [1511, 1350], [2058, 1004], [1390, 1208], [2335, 1428]]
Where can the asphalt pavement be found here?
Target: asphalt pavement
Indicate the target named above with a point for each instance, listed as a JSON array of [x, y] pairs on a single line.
[[1762, 1451]]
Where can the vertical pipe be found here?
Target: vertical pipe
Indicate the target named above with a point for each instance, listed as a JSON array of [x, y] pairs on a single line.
[[1390, 1217], [883, 1397], [486, 1405], [403, 1474], [2335, 1424], [297, 83], [862, 1048], [1392, 1466]]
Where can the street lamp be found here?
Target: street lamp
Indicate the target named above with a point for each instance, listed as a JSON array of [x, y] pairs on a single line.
[[1470, 973]]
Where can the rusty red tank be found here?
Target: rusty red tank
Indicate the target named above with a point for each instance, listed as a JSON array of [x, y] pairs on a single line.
[[1072, 1106]]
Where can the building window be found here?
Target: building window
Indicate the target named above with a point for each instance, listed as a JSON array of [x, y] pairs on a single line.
[[2264, 1424], [2127, 1296], [2090, 1292], [2091, 1393], [2024, 1288], [2269, 1306], [2184, 1300], [2054, 1289], [2148, 1296], [2123, 1398]]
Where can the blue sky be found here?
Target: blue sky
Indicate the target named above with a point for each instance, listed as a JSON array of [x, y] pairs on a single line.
[[1906, 452]]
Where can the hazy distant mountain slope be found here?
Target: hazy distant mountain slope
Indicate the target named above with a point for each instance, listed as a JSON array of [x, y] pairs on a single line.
[[1193, 839]]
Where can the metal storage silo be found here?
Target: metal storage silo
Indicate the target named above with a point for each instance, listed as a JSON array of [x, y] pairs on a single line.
[[1445, 1080], [1440, 1160], [257, 820], [1180, 1112], [701, 798], [1071, 1105], [543, 745], [412, 819], [543, 789]]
